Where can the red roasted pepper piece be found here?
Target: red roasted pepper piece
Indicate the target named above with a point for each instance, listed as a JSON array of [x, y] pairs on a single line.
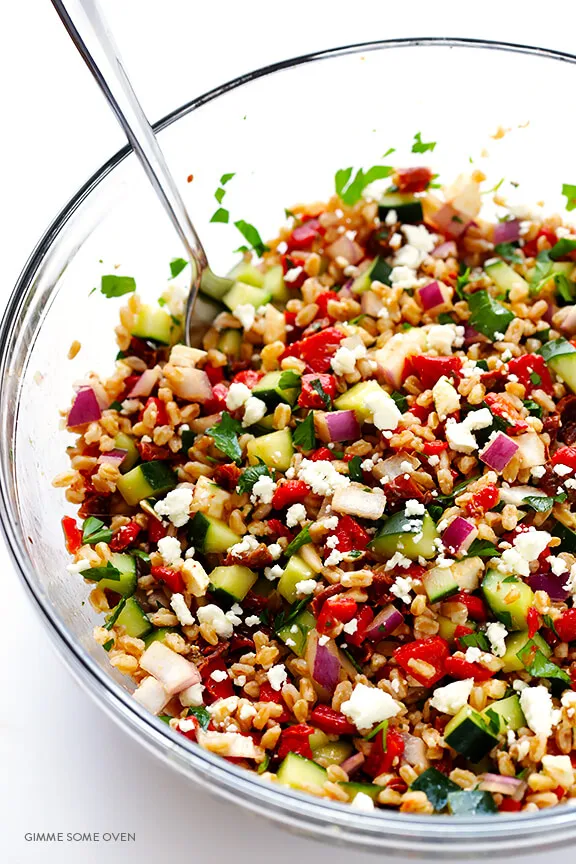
[[533, 621], [268, 694], [483, 500], [125, 537], [430, 369], [380, 760], [318, 349], [502, 406], [412, 179], [364, 618], [475, 605], [215, 689], [434, 448], [462, 630], [565, 456], [218, 401], [351, 535], [458, 667], [161, 415], [171, 577], [304, 235], [227, 476], [72, 534], [530, 248], [215, 373], [509, 805], [322, 301], [309, 397], [278, 529], [323, 454], [156, 530], [332, 722], [565, 626], [336, 609], [532, 372], [291, 492], [295, 739], [249, 377], [434, 651]]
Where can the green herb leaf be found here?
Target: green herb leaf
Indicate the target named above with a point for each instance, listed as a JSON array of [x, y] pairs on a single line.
[[539, 503], [538, 665], [300, 540], [563, 247], [263, 766], [382, 727], [221, 215], [317, 386], [350, 191], [509, 252], [436, 786], [565, 288], [115, 613], [251, 236], [289, 379], [436, 511], [493, 720], [165, 718], [355, 470], [569, 191], [116, 286], [341, 179], [304, 435], [115, 406], [533, 407], [445, 318], [420, 146], [388, 152], [176, 267], [542, 272], [95, 574], [95, 531], [284, 618], [509, 579], [225, 435], [460, 487], [188, 437], [400, 400], [219, 194], [548, 622], [462, 280], [475, 640], [482, 549], [201, 715], [250, 476], [108, 645], [225, 178], [487, 315]]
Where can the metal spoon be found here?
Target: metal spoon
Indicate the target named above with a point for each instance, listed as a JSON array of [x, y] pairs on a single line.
[[91, 35]]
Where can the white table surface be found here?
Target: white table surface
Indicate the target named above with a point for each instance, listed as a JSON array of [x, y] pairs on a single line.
[[64, 766]]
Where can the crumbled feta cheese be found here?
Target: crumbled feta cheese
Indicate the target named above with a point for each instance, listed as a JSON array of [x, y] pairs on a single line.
[[402, 587], [451, 698], [237, 395], [446, 398], [215, 618], [536, 704], [248, 544], [408, 256], [405, 278], [441, 338], [497, 633], [277, 676], [351, 626], [433, 460], [323, 640], [219, 675], [295, 514], [562, 470], [557, 565], [233, 617], [254, 411], [394, 242], [274, 572], [275, 551], [385, 413], [252, 620], [369, 705], [398, 560], [459, 435], [78, 566], [361, 800], [321, 476], [519, 685], [246, 314], [292, 274], [344, 360], [330, 522], [263, 490], [246, 711], [473, 654], [538, 471], [176, 506], [181, 610], [391, 218], [414, 508], [334, 558], [169, 548], [305, 586], [526, 547]]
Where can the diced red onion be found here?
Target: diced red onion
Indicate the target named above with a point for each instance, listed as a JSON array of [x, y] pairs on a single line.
[[145, 384], [450, 221], [431, 295], [550, 583], [459, 535], [340, 426], [415, 750], [85, 408], [370, 303], [346, 248], [113, 457], [353, 763], [188, 383], [472, 336], [503, 784], [326, 668], [385, 622], [445, 250], [345, 291], [507, 232], [532, 450], [499, 452]]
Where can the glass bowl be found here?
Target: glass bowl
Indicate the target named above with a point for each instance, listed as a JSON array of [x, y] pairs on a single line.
[[284, 131]]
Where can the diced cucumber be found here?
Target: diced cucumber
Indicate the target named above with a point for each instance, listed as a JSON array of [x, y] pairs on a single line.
[[234, 581], [126, 584], [369, 789], [566, 268], [408, 208], [248, 274], [296, 570], [265, 425], [436, 786], [158, 635], [509, 713], [213, 286], [468, 734], [299, 772], [275, 450], [471, 802], [208, 534], [274, 283], [354, 399], [378, 271], [439, 583], [303, 624], [124, 442], [147, 479], [241, 294], [133, 619], [509, 601], [413, 536], [317, 739], [514, 644], [271, 392], [153, 322], [560, 356], [229, 343], [504, 276], [446, 628], [333, 753], [567, 536]]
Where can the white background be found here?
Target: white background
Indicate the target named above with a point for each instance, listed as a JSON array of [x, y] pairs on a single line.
[[64, 766]]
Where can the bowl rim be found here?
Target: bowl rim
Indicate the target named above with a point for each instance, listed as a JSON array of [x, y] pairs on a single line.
[[383, 829]]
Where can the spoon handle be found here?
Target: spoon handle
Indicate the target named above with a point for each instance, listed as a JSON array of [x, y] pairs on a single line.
[[89, 31]]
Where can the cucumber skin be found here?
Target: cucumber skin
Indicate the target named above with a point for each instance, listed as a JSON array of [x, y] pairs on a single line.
[[234, 581], [208, 534], [467, 734], [299, 772], [393, 539]]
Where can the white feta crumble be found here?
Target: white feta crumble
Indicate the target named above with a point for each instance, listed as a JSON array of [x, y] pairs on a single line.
[[78, 566], [473, 654], [289, 642], [384, 411], [275, 551], [536, 704], [292, 274], [246, 314], [414, 508], [277, 676], [398, 560], [526, 547], [361, 800], [519, 685], [181, 610], [176, 506], [394, 242], [344, 360], [391, 218], [237, 395], [295, 514], [252, 620], [219, 675], [459, 435], [334, 558], [246, 711], [401, 588], [451, 698], [274, 572], [351, 626], [405, 277], [321, 476], [305, 586], [263, 490], [330, 522], [169, 548], [557, 565], [538, 471], [497, 633], [323, 640], [433, 460], [446, 398], [254, 411], [562, 470], [214, 616], [369, 705], [248, 544], [441, 338], [233, 617]]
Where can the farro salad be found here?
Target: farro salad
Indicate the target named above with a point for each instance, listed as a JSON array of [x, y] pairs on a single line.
[[337, 546]]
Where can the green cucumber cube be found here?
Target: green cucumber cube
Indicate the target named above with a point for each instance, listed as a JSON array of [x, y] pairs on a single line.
[[133, 619], [269, 390], [354, 399], [296, 570], [400, 534], [241, 294], [275, 450], [126, 584], [304, 623], [234, 581], [468, 734], [147, 479], [299, 772], [499, 595], [208, 534], [154, 323]]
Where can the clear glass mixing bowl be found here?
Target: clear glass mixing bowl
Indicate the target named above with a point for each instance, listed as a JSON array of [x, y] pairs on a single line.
[[284, 131]]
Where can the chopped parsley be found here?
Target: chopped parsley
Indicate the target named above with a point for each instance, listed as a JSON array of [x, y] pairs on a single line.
[[542, 503], [304, 435], [569, 190], [420, 146], [509, 252], [482, 549], [201, 715], [95, 531], [350, 189], [116, 286], [225, 435], [221, 215], [565, 288], [388, 152], [475, 640], [225, 178], [251, 475], [382, 727], [286, 617], [115, 614], [95, 574], [355, 469], [538, 665], [535, 378], [542, 271], [462, 280], [115, 406], [562, 247], [289, 380], [488, 316], [108, 645], [317, 386], [219, 194], [251, 236], [445, 318], [176, 267], [533, 407], [400, 400]]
